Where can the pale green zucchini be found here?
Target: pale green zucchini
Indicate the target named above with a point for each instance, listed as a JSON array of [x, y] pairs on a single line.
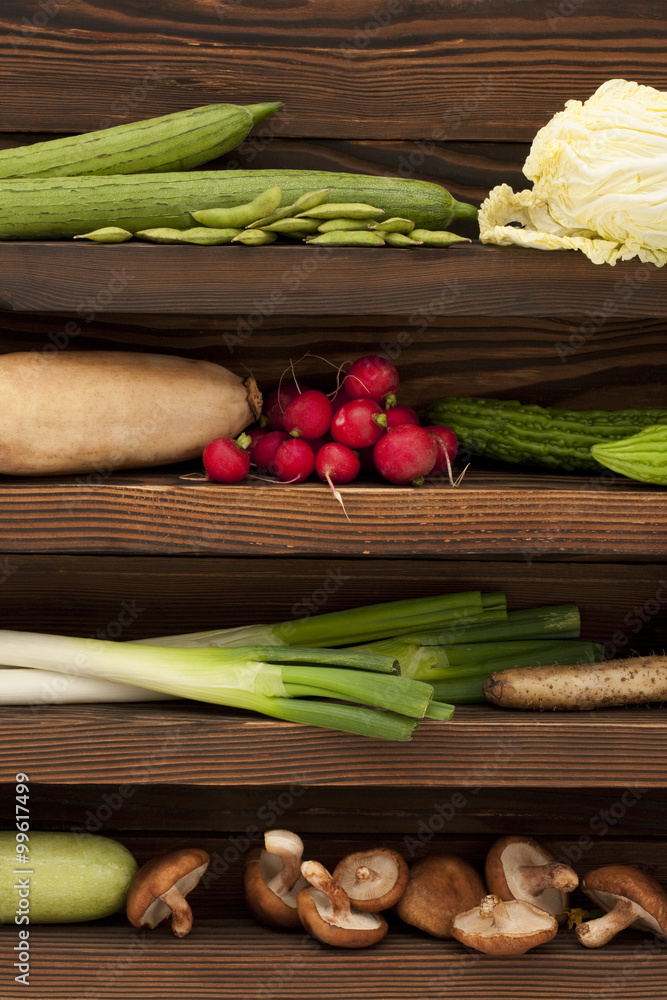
[[178, 141], [56, 207]]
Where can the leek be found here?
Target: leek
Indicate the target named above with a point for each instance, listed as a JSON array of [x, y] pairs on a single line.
[[257, 678], [559, 620], [354, 625]]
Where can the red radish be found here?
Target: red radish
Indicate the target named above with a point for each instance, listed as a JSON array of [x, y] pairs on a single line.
[[336, 463], [340, 399], [275, 405], [254, 433], [226, 460], [401, 414], [317, 443], [405, 455], [294, 461], [264, 452], [372, 377], [308, 415], [447, 444], [359, 423]]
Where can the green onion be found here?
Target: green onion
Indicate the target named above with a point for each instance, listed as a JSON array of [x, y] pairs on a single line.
[[250, 677], [440, 710], [354, 625], [558, 620]]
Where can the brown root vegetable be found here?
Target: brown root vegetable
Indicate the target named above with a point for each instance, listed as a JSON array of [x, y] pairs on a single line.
[[84, 411], [638, 680]]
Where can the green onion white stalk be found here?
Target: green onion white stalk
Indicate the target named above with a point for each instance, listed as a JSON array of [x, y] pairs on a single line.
[[259, 678]]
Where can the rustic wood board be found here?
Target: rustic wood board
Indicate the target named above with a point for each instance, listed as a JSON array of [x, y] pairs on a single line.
[[187, 743], [463, 280], [478, 69], [236, 959], [500, 513]]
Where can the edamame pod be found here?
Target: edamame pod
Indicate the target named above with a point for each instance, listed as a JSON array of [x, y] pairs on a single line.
[[341, 238], [68, 877], [394, 225], [241, 215], [205, 237], [255, 237], [334, 225], [400, 240], [108, 234], [436, 237], [308, 200], [341, 210], [162, 235], [293, 227]]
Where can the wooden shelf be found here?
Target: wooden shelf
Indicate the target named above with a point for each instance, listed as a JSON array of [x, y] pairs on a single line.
[[465, 280], [201, 745], [153, 512], [240, 959]]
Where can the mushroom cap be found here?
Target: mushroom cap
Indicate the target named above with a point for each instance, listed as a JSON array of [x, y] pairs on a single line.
[[439, 887], [606, 885], [358, 929], [504, 878], [374, 880], [504, 928], [180, 869], [277, 909]]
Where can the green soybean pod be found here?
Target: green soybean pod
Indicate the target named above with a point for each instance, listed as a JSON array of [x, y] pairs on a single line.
[[308, 200], [343, 238], [395, 225], [69, 877], [162, 235], [334, 225], [203, 236], [400, 240], [240, 215], [293, 227], [342, 210], [436, 237], [108, 234], [255, 237]]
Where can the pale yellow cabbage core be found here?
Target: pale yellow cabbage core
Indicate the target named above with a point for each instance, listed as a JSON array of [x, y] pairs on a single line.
[[599, 173]]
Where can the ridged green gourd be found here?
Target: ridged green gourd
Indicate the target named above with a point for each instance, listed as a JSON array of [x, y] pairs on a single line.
[[49, 208], [66, 878], [179, 141], [544, 437], [642, 457]]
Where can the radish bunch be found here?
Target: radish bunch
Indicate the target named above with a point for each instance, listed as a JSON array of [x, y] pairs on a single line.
[[360, 425]]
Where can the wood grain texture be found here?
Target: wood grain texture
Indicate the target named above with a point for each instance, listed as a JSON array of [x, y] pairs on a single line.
[[490, 513], [623, 604], [476, 69], [463, 280], [188, 743], [231, 959]]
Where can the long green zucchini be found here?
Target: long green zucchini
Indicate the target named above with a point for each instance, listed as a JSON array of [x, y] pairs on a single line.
[[178, 141], [534, 435], [54, 207]]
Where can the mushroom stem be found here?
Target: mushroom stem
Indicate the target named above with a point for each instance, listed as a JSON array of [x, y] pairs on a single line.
[[365, 874], [288, 847], [595, 933], [321, 879], [555, 875], [495, 909], [181, 914]]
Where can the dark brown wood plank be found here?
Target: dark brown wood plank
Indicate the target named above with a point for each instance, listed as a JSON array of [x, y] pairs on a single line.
[[419, 70], [490, 513], [86, 595], [188, 743], [463, 280], [240, 959]]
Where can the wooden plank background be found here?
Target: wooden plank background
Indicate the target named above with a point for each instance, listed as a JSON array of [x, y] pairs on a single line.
[[477, 69]]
